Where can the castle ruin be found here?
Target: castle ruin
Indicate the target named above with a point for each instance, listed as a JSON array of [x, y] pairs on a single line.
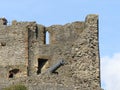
[[25, 54]]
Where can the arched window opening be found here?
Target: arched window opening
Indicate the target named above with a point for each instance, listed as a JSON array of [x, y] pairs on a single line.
[[47, 37]]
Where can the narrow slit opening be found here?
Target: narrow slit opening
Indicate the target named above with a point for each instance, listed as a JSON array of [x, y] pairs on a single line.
[[47, 37]]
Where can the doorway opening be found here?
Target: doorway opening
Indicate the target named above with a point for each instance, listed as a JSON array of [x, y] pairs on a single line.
[[42, 65]]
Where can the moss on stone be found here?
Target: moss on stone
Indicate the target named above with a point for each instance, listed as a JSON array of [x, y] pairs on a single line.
[[16, 87]]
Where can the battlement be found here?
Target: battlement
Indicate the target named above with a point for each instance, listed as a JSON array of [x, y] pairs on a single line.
[[24, 52]]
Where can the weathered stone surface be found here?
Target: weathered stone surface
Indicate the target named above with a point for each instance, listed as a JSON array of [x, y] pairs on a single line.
[[23, 48]]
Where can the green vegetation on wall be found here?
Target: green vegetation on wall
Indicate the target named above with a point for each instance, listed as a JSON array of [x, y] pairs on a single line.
[[16, 87]]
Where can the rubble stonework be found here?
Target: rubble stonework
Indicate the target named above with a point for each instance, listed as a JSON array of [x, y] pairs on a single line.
[[25, 56]]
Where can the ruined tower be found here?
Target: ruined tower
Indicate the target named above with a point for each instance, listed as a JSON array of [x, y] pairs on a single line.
[[24, 52]]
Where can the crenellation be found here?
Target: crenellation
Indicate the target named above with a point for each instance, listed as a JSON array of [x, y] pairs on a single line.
[[25, 56]]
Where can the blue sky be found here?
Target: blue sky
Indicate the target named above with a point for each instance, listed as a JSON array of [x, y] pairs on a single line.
[[48, 12]]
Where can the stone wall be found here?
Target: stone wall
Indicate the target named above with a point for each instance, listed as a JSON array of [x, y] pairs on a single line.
[[14, 48], [76, 43]]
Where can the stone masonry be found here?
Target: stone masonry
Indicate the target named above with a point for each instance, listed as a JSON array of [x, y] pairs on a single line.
[[25, 56]]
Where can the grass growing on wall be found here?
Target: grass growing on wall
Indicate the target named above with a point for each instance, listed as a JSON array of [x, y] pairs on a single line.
[[16, 87]]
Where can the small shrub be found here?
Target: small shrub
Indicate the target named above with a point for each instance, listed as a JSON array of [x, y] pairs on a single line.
[[16, 87]]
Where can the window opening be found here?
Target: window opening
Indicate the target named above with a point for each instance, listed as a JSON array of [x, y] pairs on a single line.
[[13, 72], [47, 37], [41, 65]]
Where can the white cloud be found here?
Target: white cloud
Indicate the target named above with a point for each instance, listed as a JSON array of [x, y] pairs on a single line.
[[110, 72]]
